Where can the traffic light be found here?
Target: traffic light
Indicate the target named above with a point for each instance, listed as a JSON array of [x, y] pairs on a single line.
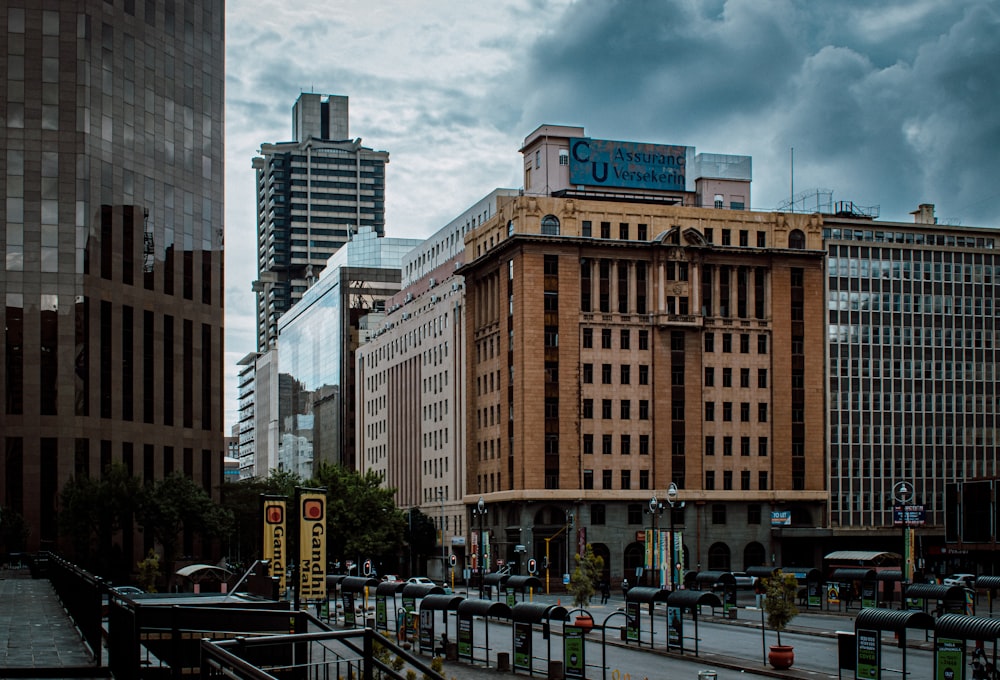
[[545, 563], [532, 565], [368, 567], [453, 559]]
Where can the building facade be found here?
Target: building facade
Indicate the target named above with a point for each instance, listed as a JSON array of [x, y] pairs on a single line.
[[313, 194], [411, 385], [112, 137], [913, 347], [318, 338], [622, 338]]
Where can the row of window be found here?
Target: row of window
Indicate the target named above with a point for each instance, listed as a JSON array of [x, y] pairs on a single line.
[[910, 370], [624, 374], [727, 446], [624, 338], [742, 338], [727, 411], [624, 447], [625, 409], [727, 377], [909, 238], [915, 303], [727, 481], [624, 476]]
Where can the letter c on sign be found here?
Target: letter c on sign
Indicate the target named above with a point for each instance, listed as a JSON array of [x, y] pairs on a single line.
[[585, 146]]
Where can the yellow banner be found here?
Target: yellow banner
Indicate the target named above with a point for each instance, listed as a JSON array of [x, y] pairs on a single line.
[[275, 540], [312, 546]]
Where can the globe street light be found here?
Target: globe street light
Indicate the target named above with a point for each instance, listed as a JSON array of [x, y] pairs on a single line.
[[480, 511], [672, 493]]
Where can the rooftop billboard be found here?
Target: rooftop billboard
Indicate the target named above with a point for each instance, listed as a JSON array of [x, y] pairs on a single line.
[[629, 165]]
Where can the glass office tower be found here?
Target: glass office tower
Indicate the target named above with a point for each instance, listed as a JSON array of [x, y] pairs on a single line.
[[111, 156]]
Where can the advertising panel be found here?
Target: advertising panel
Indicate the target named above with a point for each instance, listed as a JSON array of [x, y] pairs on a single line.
[[869, 666], [574, 652], [312, 546], [465, 637], [522, 646], [632, 620], [675, 627], [629, 165], [949, 659], [275, 539], [427, 630]]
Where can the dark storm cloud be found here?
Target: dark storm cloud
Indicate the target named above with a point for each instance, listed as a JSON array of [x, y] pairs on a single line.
[[885, 103]]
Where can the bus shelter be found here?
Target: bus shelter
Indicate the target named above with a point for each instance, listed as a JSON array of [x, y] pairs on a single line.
[[687, 600], [889, 582], [723, 581], [428, 605], [492, 580], [523, 585], [990, 584], [952, 631], [353, 592], [468, 611], [869, 624], [634, 599], [852, 583], [811, 583], [525, 616], [947, 599], [383, 592]]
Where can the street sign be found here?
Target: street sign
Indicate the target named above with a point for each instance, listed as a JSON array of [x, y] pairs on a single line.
[[368, 567], [532, 566], [453, 559]]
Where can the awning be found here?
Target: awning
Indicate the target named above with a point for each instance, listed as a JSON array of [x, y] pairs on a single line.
[[199, 572], [862, 555]]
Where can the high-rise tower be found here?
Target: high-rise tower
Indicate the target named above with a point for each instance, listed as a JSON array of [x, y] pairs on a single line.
[[313, 193], [111, 155]]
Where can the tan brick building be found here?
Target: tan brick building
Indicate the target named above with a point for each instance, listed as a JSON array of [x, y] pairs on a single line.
[[621, 339]]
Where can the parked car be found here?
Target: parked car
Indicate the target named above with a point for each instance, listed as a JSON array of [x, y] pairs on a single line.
[[128, 591], [390, 578], [964, 580], [421, 580]]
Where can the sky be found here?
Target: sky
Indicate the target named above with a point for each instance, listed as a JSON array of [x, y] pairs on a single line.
[[889, 103]]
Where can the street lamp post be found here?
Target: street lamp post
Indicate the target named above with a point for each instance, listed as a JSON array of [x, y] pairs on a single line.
[[655, 509], [902, 495], [672, 493], [480, 510]]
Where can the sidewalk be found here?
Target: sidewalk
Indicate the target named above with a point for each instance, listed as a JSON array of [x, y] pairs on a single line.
[[36, 632]]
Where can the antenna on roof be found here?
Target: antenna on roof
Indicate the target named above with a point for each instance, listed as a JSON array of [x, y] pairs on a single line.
[[791, 179]]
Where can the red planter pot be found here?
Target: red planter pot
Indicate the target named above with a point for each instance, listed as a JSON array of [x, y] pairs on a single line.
[[781, 656]]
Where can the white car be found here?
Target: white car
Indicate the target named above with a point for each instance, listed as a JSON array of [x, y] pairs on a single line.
[[421, 580], [964, 580]]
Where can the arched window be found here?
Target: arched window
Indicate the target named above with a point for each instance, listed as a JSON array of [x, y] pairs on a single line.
[[797, 240], [754, 555], [718, 557], [550, 225]]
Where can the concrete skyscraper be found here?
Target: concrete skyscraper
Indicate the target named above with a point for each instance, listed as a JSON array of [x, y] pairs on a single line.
[[313, 193], [111, 156]]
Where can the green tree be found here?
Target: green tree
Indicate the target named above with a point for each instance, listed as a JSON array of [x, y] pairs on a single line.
[[588, 571], [176, 504], [362, 519], [779, 601], [242, 500], [94, 511], [14, 532]]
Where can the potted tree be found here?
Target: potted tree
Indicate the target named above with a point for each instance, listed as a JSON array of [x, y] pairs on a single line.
[[589, 568], [779, 605]]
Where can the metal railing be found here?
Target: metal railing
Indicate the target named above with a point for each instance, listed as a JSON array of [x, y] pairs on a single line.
[[358, 653]]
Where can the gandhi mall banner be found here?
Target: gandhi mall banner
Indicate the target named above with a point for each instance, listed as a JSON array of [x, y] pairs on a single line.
[[275, 539], [312, 545]]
